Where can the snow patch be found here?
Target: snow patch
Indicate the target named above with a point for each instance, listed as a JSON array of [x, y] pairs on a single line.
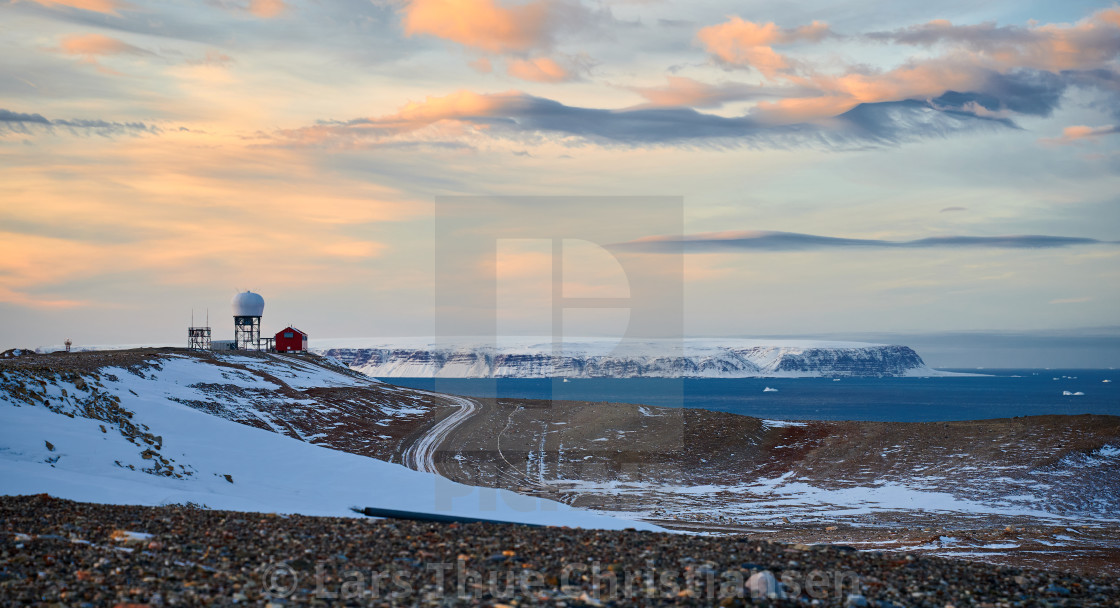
[[228, 465]]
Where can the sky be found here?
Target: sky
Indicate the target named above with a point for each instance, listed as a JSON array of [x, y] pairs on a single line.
[[919, 170]]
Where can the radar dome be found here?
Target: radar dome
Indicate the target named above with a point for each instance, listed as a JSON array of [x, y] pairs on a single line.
[[248, 304]]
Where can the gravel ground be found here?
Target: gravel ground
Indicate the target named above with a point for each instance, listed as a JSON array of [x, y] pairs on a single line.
[[56, 552]]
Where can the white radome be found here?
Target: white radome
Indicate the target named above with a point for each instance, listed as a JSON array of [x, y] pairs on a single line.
[[248, 304]]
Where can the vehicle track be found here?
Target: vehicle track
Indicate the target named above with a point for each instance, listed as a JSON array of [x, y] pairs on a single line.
[[421, 455]]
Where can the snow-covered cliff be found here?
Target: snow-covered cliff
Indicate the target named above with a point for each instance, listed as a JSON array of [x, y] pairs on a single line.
[[601, 358]]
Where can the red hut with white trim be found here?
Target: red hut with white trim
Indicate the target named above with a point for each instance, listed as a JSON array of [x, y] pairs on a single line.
[[291, 340]]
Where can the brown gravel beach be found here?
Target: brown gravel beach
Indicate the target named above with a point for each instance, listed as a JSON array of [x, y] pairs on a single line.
[[56, 552]]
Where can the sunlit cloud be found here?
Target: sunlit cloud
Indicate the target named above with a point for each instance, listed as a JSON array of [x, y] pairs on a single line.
[[540, 69], [742, 43], [1080, 133], [489, 26], [974, 86], [525, 34], [109, 7], [684, 92], [986, 70], [1090, 44], [90, 45], [267, 8]]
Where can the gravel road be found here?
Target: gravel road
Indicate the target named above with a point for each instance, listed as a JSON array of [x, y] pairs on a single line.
[[421, 454]]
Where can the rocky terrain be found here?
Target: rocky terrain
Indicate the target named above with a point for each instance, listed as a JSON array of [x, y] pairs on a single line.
[[1028, 492], [1032, 490], [591, 358], [57, 552]]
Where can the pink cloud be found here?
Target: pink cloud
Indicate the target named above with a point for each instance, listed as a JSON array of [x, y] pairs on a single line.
[[514, 31], [1088, 44], [683, 92], [540, 69], [739, 42], [267, 9], [1081, 132], [108, 7], [973, 55], [482, 24], [90, 45]]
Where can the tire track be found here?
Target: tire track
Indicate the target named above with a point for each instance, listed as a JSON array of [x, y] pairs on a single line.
[[421, 455]]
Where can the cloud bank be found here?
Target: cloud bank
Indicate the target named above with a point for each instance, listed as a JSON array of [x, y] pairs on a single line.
[[983, 78], [18, 122], [516, 114], [792, 241]]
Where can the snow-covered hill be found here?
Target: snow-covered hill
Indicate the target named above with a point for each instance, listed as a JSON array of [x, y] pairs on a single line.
[[598, 358], [226, 431]]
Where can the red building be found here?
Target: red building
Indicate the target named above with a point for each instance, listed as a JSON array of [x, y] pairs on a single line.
[[290, 340]]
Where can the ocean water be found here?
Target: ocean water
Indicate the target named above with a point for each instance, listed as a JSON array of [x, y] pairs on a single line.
[[1000, 394]]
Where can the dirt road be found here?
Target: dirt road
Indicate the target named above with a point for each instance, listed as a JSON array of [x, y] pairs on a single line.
[[421, 454]]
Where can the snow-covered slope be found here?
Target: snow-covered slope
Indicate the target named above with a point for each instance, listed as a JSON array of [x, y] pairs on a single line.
[[140, 433], [595, 358]]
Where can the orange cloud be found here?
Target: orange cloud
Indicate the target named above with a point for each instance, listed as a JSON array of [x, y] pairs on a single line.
[[1089, 44], [680, 92], [745, 43], [802, 109], [974, 54], [482, 24], [683, 92], [541, 69], [89, 45], [514, 31], [1081, 132], [449, 111], [267, 8], [108, 7], [455, 105], [1110, 16], [163, 211], [838, 94]]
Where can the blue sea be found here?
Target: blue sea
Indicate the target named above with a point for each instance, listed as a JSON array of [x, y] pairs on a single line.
[[1001, 393]]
